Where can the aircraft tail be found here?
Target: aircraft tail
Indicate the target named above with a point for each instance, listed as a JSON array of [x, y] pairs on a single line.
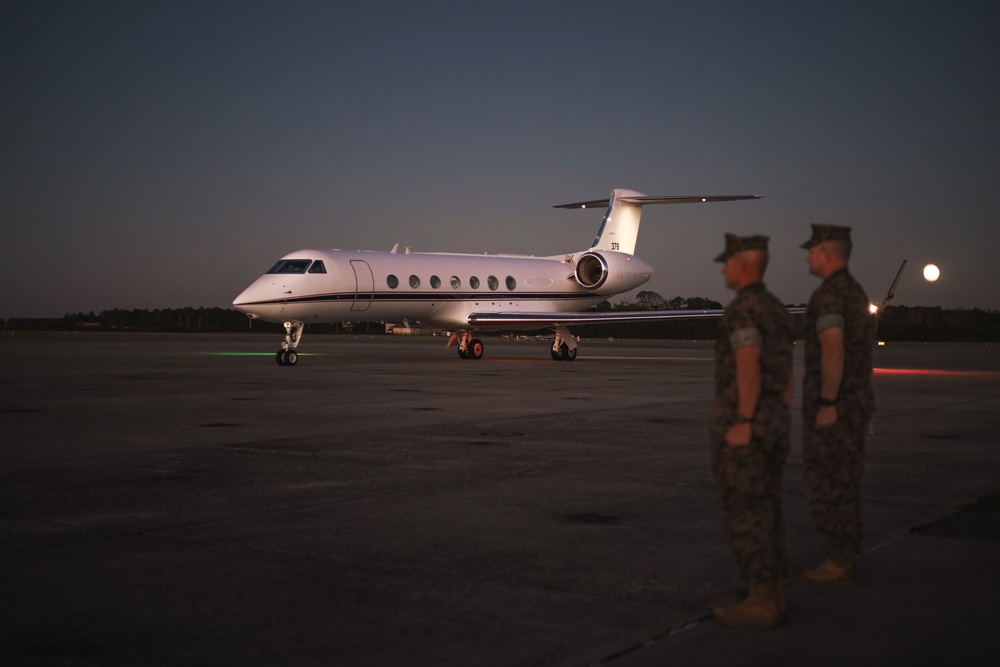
[[620, 227]]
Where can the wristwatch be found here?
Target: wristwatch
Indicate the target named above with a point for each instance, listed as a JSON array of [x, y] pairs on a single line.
[[741, 419], [827, 403]]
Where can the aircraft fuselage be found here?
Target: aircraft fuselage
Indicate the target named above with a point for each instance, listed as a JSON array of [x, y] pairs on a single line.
[[434, 289]]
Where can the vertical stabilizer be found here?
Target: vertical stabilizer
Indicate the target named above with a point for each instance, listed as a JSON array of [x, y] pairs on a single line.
[[620, 226]]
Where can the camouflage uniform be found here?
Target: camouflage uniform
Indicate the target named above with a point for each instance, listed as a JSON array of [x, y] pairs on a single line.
[[834, 457], [749, 479]]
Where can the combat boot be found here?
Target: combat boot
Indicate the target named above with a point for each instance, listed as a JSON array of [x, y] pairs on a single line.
[[831, 573], [764, 607]]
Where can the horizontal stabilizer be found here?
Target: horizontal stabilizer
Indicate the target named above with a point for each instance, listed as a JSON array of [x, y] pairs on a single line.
[[620, 226], [640, 201]]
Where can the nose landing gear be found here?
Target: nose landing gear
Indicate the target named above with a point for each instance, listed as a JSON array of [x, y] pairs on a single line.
[[287, 356]]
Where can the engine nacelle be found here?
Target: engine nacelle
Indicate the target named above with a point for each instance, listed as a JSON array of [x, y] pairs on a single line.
[[613, 271], [591, 270]]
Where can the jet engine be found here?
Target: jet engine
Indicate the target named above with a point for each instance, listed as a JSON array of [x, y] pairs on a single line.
[[614, 271], [591, 270]]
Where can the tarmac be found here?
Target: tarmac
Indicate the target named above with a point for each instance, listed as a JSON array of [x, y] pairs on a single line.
[[182, 499]]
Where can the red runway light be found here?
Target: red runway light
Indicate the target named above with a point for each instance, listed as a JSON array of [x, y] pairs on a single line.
[[929, 371]]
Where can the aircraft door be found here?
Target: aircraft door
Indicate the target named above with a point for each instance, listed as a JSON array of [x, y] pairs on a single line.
[[365, 285]]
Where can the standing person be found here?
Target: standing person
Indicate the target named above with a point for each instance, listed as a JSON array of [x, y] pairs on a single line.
[[837, 402], [750, 430]]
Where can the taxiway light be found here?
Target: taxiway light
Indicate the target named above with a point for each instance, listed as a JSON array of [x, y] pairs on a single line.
[[931, 273]]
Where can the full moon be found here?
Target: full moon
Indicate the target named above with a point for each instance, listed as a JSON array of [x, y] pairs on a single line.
[[931, 273]]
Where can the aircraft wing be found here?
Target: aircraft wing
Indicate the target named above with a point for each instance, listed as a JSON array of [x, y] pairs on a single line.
[[541, 320], [551, 319]]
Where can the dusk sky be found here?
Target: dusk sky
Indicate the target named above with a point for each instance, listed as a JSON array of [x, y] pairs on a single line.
[[164, 154]]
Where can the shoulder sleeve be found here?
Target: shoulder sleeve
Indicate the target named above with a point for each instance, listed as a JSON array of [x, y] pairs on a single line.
[[742, 324], [744, 337], [830, 307]]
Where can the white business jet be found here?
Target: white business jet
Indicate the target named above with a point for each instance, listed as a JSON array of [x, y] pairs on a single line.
[[467, 293]]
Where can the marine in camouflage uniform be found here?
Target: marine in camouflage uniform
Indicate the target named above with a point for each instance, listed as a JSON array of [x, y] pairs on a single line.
[[835, 425], [749, 476]]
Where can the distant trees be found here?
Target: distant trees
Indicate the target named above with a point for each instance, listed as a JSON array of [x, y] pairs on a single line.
[[896, 323], [921, 323], [649, 300], [669, 329], [168, 320]]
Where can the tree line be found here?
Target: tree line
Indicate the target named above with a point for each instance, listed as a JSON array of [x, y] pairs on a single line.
[[896, 323]]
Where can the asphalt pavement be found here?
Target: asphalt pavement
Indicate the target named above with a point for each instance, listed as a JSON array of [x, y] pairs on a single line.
[[182, 499]]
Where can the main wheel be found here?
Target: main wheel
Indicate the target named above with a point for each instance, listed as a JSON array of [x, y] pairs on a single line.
[[280, 357], [564, 353], [291, 358], [475, 349]]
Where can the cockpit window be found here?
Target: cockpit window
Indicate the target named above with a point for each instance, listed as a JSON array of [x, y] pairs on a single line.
[[317, 267], [290, 266]]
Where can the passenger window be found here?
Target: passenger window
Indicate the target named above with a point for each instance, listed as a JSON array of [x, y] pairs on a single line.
[[456, 282], [493, 283], [435, 282], [392, 281], [317, 267], [474, 282], [414, 282], [511, 283]]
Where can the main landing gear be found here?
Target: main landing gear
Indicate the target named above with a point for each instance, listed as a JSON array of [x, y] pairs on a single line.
[[468, 347], [287, 356], [563, 345]]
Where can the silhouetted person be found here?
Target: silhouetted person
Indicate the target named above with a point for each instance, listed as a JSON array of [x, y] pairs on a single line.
[[837, 402], [750, 430]]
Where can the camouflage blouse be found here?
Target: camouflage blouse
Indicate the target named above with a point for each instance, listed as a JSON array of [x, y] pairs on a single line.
[[841, 302], [754, 317]]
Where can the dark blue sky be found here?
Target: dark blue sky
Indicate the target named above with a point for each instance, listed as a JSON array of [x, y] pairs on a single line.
[[158, 155]]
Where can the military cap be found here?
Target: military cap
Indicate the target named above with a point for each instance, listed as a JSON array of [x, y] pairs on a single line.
[[823, 233], [735, 244]]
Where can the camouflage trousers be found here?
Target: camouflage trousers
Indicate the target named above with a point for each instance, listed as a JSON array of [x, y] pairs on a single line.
[[750, 483], [834, 460]]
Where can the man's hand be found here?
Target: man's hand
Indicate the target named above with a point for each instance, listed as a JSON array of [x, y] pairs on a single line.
[[826, 417], [738, 435]]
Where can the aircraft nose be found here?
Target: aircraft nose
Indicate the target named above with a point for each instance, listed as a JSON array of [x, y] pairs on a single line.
[[244, 299]]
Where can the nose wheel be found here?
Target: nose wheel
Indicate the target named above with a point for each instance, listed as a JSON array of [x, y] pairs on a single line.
[[287, 356]]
